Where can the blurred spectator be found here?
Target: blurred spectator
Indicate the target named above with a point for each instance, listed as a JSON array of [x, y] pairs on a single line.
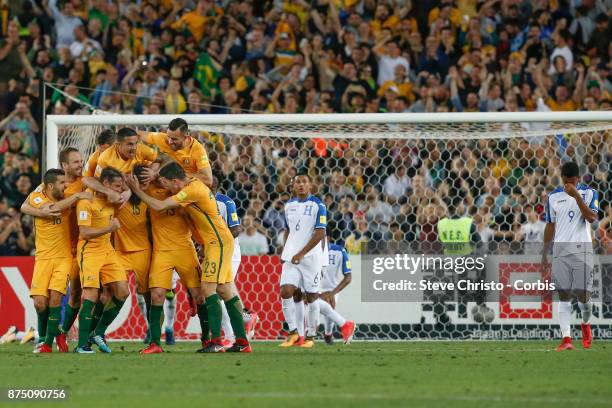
[[14, 235], [532, 233], [356, 242], [252, 242], [396, 186]]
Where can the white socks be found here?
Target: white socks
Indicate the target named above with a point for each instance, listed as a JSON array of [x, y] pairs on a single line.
[[170, 312], [565, 312], [289, 313], [299, 317], [313, 317], [329, 312], [228, 332], [142, 305], [586, 309]]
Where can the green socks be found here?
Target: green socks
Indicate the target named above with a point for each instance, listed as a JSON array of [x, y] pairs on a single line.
[[234, 311], [96, 315], [214, 315], [203, 315], [85, 321], [55, 313], [155, 316], [111, 310], [69, 317], [43, 317]]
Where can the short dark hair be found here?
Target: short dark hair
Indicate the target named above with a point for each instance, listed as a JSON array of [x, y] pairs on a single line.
[[110, 173], [51, 175], [63, 156], [570, 169], [172, 171], [301, 173], [179, 124], [125, 132], [138, 171], [107, 136]]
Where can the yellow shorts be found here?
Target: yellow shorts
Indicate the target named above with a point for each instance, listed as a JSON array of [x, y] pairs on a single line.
[[99, 269], [139, 263], [50, 274], [217, 264], [74, 271], [185, 261]]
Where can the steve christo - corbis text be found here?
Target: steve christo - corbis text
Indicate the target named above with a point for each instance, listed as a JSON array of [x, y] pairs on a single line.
[[411, 264]]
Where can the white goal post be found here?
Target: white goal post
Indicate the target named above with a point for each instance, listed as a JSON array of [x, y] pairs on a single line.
[[455, 125]]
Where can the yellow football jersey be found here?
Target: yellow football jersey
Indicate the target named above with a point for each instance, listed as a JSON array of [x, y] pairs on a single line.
[[97, 214], [133, 234], [192, 158], [52, 235], [111, 158], [169, 228], [201, 207], [90, 167]]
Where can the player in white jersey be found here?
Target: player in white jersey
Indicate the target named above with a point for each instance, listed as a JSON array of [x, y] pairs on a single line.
[[306, 220], [336, 276], [569, 213]]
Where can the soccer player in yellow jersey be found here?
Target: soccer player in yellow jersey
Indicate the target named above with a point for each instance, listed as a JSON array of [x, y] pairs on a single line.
[[72, 164], [53, 259], [105, 139], [201, 207], [132, 244], [99, 264], [183, 149], [123, 156], [173, 249]]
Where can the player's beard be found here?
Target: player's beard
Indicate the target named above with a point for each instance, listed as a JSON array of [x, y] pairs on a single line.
[[57, 194]]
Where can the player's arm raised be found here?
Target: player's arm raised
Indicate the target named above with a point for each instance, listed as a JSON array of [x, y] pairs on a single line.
[[549, 234], [589, 214], [153, 203], [94, 184], [52, 210]]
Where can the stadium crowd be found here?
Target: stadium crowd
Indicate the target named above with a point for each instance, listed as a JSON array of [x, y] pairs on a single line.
[[224, 56]]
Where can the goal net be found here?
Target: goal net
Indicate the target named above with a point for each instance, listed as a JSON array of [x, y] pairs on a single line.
[[387, 181]]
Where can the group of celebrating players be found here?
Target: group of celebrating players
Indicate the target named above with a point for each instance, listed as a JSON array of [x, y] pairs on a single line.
[[137, 206]]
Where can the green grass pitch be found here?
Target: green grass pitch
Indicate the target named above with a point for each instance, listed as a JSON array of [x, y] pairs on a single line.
[[362, 374]]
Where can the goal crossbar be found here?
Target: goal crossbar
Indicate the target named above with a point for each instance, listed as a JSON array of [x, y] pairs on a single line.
[[339, 124]]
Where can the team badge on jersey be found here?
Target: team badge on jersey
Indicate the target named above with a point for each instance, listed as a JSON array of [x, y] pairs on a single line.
[[37, 200], [83, 215]]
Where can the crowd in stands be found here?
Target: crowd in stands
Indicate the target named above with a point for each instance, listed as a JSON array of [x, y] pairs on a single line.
[[294, 56]]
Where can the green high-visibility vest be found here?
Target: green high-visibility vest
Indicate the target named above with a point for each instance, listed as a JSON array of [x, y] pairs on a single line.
[[454, 233]]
